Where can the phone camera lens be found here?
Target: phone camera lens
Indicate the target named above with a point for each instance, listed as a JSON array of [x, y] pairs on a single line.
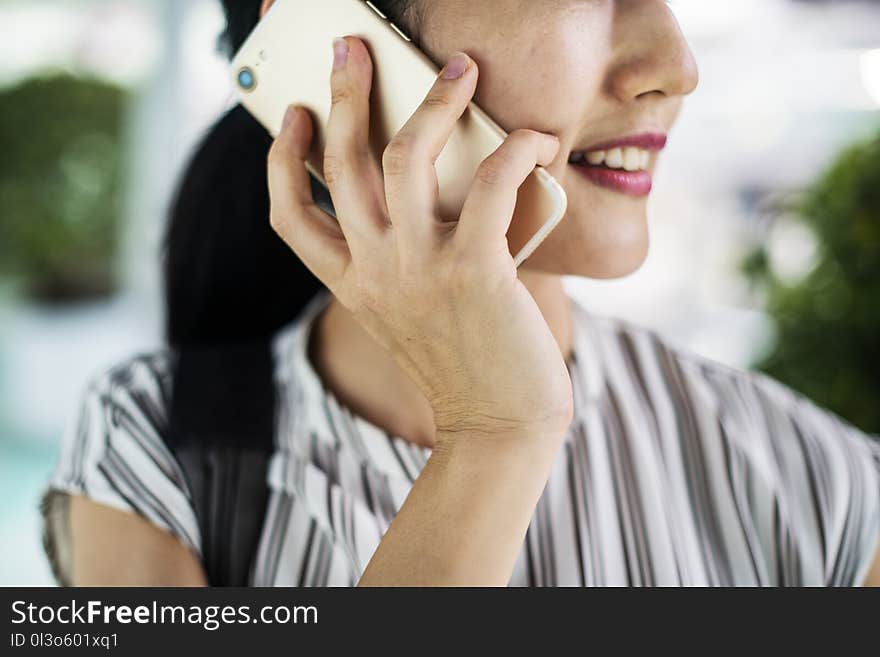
[[246, 79]]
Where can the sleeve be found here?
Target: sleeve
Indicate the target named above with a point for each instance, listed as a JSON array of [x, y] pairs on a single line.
[[827, 476], [114, 453]]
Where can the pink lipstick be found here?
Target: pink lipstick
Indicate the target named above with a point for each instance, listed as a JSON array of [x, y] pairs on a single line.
[[620, 164]]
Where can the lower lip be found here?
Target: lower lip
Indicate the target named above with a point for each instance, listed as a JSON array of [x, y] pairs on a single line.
[[631, 183]]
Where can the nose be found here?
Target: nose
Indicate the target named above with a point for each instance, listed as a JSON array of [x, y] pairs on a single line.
[[654, 57]]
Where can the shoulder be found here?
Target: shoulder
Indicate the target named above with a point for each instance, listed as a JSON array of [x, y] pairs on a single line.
[[130, 398], [115, 451], [741, 398], [141, 382], [777, 456], [643, 355]]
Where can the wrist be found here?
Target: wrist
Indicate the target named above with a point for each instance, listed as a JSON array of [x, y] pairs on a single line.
[[457, 416], [477, 438], [494, 458], [472, 427]]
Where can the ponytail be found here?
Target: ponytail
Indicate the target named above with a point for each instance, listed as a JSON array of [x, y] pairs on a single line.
[[230, 284], [227, 274]]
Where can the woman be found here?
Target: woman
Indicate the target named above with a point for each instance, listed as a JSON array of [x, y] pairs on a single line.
[[442, 418]]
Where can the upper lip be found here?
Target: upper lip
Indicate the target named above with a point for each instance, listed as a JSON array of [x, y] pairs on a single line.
[[649, 141]]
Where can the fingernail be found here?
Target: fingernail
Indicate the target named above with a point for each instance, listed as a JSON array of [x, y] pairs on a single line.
[[340, 53], [288, 117], [456, 66]]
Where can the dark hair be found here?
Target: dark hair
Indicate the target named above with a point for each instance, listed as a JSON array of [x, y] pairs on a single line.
[[230, 282]]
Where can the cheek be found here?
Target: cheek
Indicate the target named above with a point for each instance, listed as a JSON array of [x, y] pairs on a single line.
[[541, 65], [549, 84], [600, 236], [603, 235], [551, 80]]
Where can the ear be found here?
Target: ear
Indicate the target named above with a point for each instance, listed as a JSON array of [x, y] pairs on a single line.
[[267, 4]]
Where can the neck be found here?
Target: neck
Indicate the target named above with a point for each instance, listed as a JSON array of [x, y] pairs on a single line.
[[365, 378]]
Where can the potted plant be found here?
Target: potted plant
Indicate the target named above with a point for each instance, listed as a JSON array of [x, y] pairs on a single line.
[[60, 186], [828, 321]]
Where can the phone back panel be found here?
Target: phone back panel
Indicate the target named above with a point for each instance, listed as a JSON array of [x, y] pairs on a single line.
[[290, 54]]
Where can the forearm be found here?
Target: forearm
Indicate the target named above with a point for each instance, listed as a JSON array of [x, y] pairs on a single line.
[[465, 519]]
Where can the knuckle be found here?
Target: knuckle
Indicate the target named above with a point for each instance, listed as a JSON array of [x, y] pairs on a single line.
[[436, 101], [281, 225], [402, 145], [526, 135], [340, 94], [523, 135], [334, 167], [276, 156], [394, 165], [398, 155], [491, 171], [523, 140]]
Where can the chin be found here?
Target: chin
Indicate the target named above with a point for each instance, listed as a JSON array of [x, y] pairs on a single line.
[[607, 248]]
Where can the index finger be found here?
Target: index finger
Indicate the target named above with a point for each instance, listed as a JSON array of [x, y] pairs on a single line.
[[309, 231], [408, 161]]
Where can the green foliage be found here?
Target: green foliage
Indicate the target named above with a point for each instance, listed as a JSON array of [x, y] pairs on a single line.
[[60, 185], [828, 324]]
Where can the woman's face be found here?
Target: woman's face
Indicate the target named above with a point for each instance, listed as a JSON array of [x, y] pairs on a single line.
[[590, 72]]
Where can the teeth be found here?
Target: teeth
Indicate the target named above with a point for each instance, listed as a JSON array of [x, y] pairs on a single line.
[[614, 158], [628, 159], [632, 159]]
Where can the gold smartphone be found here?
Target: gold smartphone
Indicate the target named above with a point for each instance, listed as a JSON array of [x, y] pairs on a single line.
[[287, 60]]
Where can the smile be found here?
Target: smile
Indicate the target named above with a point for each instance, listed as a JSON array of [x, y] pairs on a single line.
[[623, 166], [628, 159]]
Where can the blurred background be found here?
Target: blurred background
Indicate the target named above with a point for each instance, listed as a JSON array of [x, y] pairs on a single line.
[[765, 220]]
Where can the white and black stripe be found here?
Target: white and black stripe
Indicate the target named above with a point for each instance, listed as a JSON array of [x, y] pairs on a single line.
[[676, 470]]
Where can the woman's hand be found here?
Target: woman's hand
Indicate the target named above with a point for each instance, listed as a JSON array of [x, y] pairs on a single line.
[[442, 297]]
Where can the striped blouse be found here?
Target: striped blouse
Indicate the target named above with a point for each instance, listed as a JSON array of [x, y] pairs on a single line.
[[676, 470]]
